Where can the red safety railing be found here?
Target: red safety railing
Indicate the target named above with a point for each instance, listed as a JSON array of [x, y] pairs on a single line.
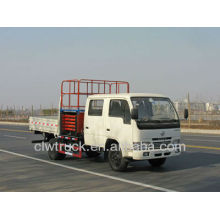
[[74, 92]]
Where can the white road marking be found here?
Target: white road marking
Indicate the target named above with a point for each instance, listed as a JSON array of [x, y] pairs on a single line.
[[200, 140], [196, 135], [90, 172], [15, 136]]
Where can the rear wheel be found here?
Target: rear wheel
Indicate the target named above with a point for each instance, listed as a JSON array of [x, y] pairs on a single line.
[[157, 162], [48, 137], [53, 150], [116, 161], [91, 153]]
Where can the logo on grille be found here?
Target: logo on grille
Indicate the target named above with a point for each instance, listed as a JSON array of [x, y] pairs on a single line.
[[162, 133]]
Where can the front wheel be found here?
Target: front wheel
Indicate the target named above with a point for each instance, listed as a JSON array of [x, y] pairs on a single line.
[[157, 162], [53, 150], [116, 161]]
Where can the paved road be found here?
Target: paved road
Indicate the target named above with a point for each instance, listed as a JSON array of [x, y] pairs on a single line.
[[24, 169]]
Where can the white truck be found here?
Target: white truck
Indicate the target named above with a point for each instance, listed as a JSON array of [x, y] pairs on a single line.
[[95, 117]]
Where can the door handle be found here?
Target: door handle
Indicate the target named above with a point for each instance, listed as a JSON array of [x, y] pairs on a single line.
[[87, 127], [107, 129]]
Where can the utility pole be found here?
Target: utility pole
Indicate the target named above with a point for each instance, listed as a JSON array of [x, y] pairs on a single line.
[[22, 111], [189, 110], [52, 109], [7, 113], [40, 110], [14, 113], [32, 110], [1, 111]]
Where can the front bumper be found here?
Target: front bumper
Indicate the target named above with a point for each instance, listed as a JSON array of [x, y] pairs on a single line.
[[145, 155]]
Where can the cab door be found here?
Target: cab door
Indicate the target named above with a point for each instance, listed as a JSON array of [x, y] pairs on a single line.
[[94, 123], [118, 122]]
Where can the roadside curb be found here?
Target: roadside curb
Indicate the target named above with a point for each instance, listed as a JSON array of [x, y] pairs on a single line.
[[13, 123], [200, 131]]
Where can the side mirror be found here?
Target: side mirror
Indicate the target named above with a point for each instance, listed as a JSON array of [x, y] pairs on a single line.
[[186, 113], [134, 113]]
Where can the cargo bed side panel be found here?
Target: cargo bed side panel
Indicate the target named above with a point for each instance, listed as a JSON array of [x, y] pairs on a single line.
[[46, 124]]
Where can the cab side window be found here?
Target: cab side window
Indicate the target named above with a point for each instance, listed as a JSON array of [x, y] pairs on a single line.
[[95, 107], [120, 108]]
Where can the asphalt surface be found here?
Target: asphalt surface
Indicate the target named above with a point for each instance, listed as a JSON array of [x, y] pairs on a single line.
[[24, 169]]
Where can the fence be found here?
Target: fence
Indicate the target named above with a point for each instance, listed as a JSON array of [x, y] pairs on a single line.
[[199, 119], [22, 114]]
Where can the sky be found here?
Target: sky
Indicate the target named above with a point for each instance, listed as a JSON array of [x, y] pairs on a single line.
[[170, 61]]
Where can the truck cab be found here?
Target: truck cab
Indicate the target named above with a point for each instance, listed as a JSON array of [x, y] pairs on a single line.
[[138, 124]]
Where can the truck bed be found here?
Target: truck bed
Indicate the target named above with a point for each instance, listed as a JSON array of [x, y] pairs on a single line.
[[47, 124]]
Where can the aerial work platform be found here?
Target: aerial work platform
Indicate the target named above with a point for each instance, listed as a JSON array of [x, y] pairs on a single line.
[[74, 92]]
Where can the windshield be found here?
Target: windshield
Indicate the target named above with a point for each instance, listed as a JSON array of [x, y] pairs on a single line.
[[154, 109]]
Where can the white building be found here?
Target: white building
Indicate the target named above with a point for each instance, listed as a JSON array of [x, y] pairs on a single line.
[[199, 107], [212, 107]]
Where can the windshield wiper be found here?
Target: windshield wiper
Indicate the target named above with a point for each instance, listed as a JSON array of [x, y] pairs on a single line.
[[158, 121], [149, 121], [169, 119]]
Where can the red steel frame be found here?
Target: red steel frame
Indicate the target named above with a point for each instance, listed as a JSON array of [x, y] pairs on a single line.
[[75, 85], [79, 154]]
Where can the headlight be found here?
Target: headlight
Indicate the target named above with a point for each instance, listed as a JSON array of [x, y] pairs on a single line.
[[176, 141]]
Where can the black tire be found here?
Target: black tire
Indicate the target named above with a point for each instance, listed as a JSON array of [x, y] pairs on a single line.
[[53, 152], [157, 162], [91, 153], [116, 161], [48, 137]]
